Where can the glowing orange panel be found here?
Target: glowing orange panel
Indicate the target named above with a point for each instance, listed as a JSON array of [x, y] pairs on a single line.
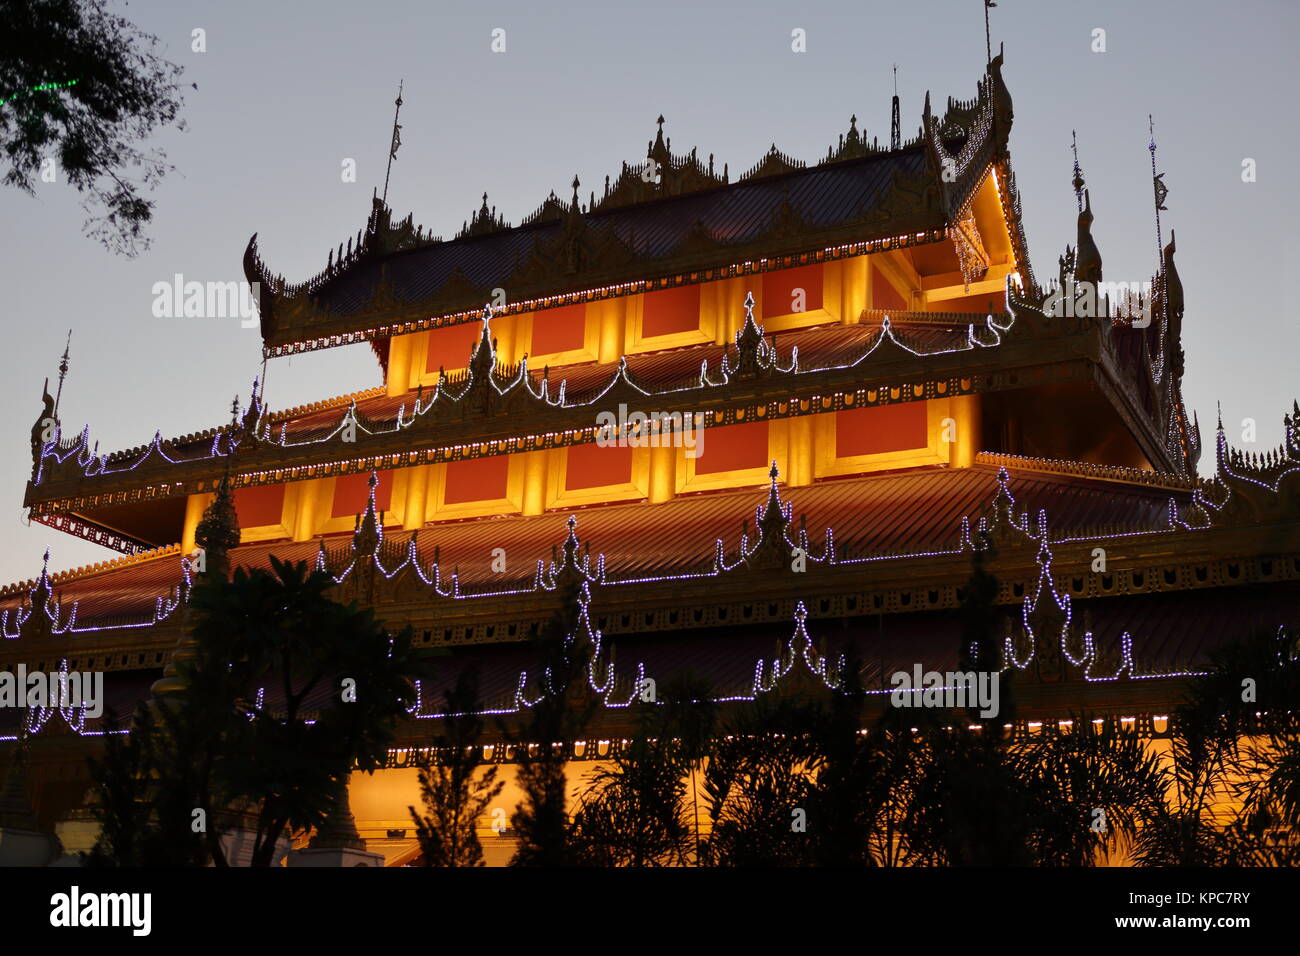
[[450, 347], [352, 493], [476, 479], [259, 506], [779, 290], [883, 295], [591, 466], [559, 330], [671, 310], [870, 431], [733, 447]]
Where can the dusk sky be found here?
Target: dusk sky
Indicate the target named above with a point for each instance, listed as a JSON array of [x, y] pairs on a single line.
[[288, 91]]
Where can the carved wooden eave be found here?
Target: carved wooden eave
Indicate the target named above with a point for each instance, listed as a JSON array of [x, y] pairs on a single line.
[[1153, 413], [1250, 488], [606, 266]]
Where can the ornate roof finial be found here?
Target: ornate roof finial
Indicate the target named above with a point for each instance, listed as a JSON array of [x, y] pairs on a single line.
[[988, 41], [369, 533], [397, 139], [1158, 186], [895, 121], [659, 152], [63, 371], [753, 355], [1077, 181]]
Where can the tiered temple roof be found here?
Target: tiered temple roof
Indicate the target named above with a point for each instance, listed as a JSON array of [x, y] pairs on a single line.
[[1085, 450]]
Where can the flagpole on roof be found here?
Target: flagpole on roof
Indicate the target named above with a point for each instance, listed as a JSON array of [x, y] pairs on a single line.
[[396, 141]]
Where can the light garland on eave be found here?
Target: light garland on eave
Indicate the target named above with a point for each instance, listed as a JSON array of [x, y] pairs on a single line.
[[768, 676]]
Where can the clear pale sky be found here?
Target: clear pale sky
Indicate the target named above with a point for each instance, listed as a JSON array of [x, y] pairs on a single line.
[[287, 91]]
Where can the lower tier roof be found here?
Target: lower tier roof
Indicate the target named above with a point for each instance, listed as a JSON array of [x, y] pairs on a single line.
[[885, 514]]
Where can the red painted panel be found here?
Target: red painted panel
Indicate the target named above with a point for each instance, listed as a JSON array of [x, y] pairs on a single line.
[[559, 330], [259, 506], [871, 431], [884, 295], [476, 479], [352, 492], [779, 286], [450, 348], [733, 447], [593, 466], [671, 310]]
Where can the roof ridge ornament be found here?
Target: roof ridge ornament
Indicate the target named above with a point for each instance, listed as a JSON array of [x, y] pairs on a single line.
[[396, 140], [754, 356], [369, 533]]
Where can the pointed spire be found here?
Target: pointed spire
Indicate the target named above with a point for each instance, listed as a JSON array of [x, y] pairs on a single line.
[[218, 530], [63, 371], [484, 359], [660, 154], [396, 141], [1158, 186], [895, 123], [1077, 182], [369, 531], [753, 355]]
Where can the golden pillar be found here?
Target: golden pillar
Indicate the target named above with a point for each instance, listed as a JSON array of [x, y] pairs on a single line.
[[399, 364], [535, 481], [417, 496]]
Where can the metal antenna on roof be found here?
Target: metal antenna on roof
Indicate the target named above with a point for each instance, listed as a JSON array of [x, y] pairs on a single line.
[[397, 139]]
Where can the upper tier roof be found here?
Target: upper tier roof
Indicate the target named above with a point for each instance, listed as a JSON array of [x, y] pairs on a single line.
[[669, 220]]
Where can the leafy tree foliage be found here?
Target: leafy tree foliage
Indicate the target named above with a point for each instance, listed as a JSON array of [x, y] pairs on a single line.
[[541, 821], [84, 87], [457, 788], [340, 680]]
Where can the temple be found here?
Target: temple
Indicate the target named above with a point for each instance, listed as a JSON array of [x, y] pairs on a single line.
[[743, 421]]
